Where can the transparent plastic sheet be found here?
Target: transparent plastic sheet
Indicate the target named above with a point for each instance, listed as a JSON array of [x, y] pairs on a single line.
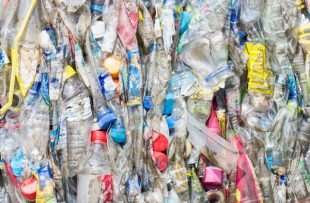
[[177, 170], [251, 10], [199, 104], [214, 147], [197, 55], [145, 28], [5, 74], [7, 27]]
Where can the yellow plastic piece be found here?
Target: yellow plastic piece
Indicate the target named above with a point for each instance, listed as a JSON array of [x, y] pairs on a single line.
[[238, 196], [14, 59], [140, 16], [20, 32], [68, 72], [258, 74]]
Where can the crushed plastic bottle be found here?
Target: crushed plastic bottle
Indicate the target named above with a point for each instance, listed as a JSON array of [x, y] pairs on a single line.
[[158, 101], [95, 178]]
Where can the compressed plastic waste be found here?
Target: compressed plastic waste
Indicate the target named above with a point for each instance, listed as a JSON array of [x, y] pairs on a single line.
[[156, 101]]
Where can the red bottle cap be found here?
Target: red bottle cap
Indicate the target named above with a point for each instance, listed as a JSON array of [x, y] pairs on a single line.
[[161, 160], [160, 144], [98, 136], [28, 188]]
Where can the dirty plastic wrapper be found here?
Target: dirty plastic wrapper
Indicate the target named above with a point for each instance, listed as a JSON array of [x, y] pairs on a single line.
[[45, 186], [212, 145]]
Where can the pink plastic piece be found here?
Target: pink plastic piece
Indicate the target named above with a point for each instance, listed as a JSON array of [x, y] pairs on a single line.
[[213, 122], [213, 176]]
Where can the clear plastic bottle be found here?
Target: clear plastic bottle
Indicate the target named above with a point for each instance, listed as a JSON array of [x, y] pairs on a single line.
[[102, 87], [79, 119], [95, 179]]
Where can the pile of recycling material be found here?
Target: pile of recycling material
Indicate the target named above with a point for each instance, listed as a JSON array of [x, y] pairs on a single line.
[[156, 101]]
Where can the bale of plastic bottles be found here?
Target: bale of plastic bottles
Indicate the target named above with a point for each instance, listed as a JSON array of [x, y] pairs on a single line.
[[155, 101]]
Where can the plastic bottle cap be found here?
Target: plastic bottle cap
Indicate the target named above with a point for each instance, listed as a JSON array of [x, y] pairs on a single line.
[[106, 119], [98, 136], [118, 135], [113, 65], [168, 104], [170, 121], [28, 188], [160, 144], [161, 160], [148, 102]]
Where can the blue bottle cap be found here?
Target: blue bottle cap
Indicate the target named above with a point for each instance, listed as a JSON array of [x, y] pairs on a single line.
[[106, 119], [242, 35], [168, 104], [148, 102], [118, 135], [170, 122]]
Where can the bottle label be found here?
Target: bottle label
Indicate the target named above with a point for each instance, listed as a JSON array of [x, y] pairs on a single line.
[[45, 186], [3, 58], [56, 74], [134, 79], [105, 188], [108, 87], [45, 88], [258, 74]]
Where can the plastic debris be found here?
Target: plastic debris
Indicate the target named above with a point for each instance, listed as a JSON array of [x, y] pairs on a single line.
[[157, 101]]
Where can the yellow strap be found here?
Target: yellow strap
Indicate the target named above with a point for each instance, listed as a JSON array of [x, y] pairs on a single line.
[[14, 59], [16, 42]]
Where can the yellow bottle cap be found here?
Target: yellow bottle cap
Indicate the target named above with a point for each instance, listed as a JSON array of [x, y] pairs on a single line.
[[113, 65]]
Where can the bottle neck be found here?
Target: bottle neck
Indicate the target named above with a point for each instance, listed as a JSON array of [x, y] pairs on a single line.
[[97, 145]]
